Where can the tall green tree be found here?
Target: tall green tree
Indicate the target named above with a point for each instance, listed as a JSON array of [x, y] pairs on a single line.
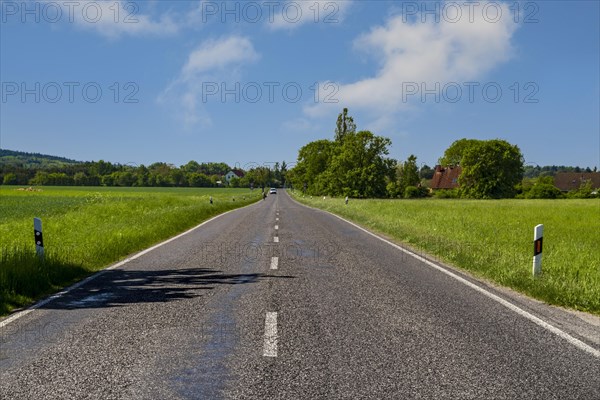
[[191, 166], [198, 179], [426, 172], [276, 174], [141, 175], [453, 154], [283, 171], [360, 167], [354, 164], [408, 173], [491, 169], [259, 177], [313, 162], [405, 175], [344, 125], [177, 177]]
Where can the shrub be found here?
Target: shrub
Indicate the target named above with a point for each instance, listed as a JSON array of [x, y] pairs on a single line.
[[447, 194], [393, 190], [10, 179], [413, 192], [585, 191], [544, 191]]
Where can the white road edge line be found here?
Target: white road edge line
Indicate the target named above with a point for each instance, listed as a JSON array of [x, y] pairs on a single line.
[[536, 320], [55, 296], [270, 346], [274, 262]]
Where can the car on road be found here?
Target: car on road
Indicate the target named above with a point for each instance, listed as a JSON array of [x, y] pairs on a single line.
[[273, 191]]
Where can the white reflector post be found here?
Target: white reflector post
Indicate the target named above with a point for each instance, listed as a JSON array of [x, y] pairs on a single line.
[[39, 238], [538, 241]]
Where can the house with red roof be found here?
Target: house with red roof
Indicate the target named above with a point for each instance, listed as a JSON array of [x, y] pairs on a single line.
[[445, 177], [567, 181]]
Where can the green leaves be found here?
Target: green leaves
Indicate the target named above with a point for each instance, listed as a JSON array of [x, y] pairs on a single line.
[[407, 174], [344, 125], [353, 165], [454, 154], [491, 169]]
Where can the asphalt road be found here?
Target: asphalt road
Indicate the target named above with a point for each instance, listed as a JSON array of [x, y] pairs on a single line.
[[279, 301]]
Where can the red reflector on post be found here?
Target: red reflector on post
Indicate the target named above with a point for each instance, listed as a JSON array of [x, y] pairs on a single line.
[[537, 246]]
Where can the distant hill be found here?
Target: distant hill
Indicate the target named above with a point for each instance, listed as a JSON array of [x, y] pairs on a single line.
[[33, 160]]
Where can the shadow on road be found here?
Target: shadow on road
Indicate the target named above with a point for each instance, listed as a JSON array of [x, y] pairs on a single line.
[[117, 288]]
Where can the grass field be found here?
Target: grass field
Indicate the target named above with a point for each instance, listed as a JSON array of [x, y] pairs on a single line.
[[494, 240], [86, 229]]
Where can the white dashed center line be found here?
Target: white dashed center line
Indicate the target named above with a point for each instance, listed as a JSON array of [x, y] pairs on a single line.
[[276, 239], [276, 227], [274, 262], [270, 347]]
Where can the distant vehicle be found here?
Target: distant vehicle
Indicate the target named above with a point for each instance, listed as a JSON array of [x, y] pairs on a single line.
[[273, 191]]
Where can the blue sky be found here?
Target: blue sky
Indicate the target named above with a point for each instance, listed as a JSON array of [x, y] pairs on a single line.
[[251, 82]]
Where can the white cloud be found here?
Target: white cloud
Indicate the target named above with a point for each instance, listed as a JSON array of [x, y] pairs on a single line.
[[292, 14], [111, 19], [424, 53], [213, 63], [217, 54]]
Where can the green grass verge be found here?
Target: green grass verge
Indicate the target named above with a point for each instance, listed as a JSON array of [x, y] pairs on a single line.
[[494, 240], [85, 229]]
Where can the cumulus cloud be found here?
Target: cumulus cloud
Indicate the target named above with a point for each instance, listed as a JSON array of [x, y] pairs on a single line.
[[424, 53], [212, 63], [218, 54]]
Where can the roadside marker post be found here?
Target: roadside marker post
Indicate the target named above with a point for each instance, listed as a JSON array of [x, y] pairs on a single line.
[[39, 238], [538, 241]]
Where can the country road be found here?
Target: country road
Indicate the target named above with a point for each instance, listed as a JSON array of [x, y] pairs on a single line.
[[280, 301]]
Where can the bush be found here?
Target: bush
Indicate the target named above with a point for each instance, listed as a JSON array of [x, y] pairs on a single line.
[[585, 191], [393, 190], [10, 179], [447, 194], [413, 192], [544, 191]]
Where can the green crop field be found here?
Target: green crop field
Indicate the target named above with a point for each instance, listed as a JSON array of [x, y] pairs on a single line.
[[85, 229], [494, 240]]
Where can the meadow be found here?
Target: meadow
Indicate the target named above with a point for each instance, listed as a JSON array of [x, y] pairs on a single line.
[[493, 239], [86, 229]]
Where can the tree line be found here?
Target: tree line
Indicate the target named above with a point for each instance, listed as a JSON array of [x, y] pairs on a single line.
[[354, 163], [160, 174]]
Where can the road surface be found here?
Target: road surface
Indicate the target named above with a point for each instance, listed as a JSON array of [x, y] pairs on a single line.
[[279, 301]]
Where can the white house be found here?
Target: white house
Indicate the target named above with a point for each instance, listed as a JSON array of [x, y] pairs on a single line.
[[234, 173]]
